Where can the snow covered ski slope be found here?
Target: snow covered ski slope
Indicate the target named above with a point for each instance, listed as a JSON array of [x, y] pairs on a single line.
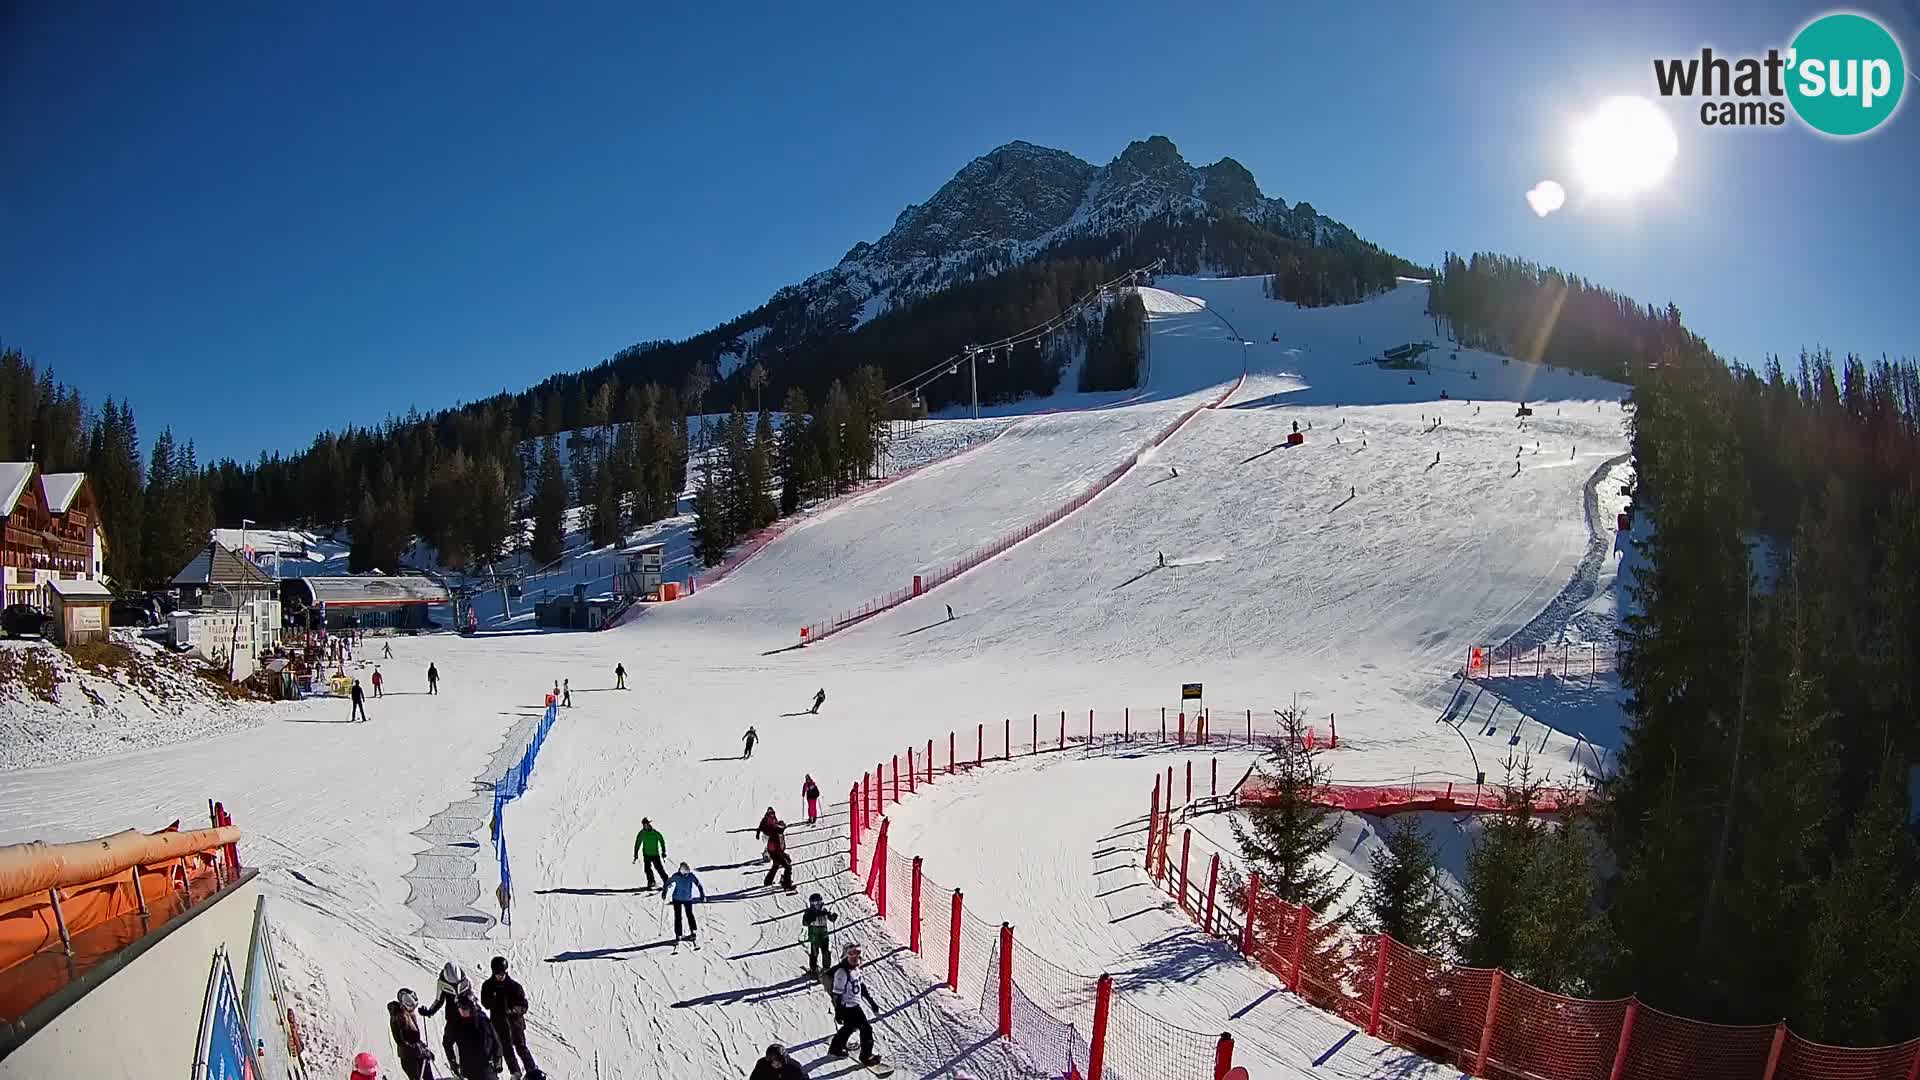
[[1351, 570]]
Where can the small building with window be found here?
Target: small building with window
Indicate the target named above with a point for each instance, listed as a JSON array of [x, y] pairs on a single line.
[[365, 601], [229, 609], [81, 609]]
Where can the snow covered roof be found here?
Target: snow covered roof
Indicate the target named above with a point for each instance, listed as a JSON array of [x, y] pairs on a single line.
[[13, 480], [374, 590], [217, 564], [283, 541], [80, 589], [60, 489]]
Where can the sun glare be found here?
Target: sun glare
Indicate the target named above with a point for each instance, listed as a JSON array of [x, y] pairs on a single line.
[[1624, 147]]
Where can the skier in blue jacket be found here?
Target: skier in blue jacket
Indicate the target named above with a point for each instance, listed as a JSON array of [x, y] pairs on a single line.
[[681, 887]]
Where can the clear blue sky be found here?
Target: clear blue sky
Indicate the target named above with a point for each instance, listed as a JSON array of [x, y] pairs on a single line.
[[255, 221]]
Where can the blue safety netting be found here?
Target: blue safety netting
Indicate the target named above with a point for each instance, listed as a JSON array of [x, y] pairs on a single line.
[[512, 785]]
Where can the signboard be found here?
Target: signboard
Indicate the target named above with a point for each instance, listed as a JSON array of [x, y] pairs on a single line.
[[85, 617], [1190, 691], [225, 1051]]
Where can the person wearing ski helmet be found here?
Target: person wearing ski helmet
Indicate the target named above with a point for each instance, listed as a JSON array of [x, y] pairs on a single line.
[[810, 791], [410, 1035], [473, 1050], [849, 991], [452, 983], [365, 1067], [506, 1002], [681, 887], [776, 1065], [815, 922]]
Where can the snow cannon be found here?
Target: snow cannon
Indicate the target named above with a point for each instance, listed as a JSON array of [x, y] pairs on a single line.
[[1295, 438]]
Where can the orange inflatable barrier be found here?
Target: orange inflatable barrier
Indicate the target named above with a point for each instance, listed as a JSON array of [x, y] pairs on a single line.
[[95, 884]]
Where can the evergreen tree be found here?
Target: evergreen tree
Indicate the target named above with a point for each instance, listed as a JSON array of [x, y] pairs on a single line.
[[1285, 834], [164, 520], [113, 469], [736, 452], [1530, 894], [830, 438], [490, 521], [1860, 984], [711, 514], [791, 456], [603, 513], [1404, 898], [760, 474], [549, 506]]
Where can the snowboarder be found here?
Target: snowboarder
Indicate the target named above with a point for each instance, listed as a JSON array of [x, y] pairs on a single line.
[[377, 681], [776, 1065], [682, 885], [819, 698], [810, 791], [359, 697], [749, 739], [410, 1035], [566, 692], [365, 1067], [814, 922], [433, 679], [506, 1003], [650, 843], [780, 862], [619, 676], [473, 1050], [849, 990], [451, 984]]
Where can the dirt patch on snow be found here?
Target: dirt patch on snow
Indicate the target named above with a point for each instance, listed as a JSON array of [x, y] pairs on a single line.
[[109, 697]]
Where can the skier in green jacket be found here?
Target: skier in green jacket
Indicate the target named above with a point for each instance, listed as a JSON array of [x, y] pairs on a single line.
[[650, 843]]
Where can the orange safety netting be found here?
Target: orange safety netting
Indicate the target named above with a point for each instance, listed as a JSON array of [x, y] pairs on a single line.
[[1402, 798]]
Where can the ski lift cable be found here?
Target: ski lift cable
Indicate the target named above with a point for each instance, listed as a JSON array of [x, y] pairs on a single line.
[[912, 384]]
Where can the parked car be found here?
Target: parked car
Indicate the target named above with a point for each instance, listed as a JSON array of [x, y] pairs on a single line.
[[24, 619]]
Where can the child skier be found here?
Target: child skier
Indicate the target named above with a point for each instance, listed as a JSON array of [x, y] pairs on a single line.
[[683, 884], [814, 921], [810, 791]]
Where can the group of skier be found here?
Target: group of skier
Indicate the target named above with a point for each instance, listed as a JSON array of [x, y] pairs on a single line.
[[357, 697], [481, 1033]]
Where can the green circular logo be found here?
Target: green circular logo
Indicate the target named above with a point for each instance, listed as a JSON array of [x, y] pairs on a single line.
[[1845, 74]]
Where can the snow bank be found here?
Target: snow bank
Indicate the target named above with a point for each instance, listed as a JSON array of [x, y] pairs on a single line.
[[132, 694]]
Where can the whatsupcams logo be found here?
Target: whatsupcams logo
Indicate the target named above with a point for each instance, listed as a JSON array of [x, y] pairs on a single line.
[[1842, 75]]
